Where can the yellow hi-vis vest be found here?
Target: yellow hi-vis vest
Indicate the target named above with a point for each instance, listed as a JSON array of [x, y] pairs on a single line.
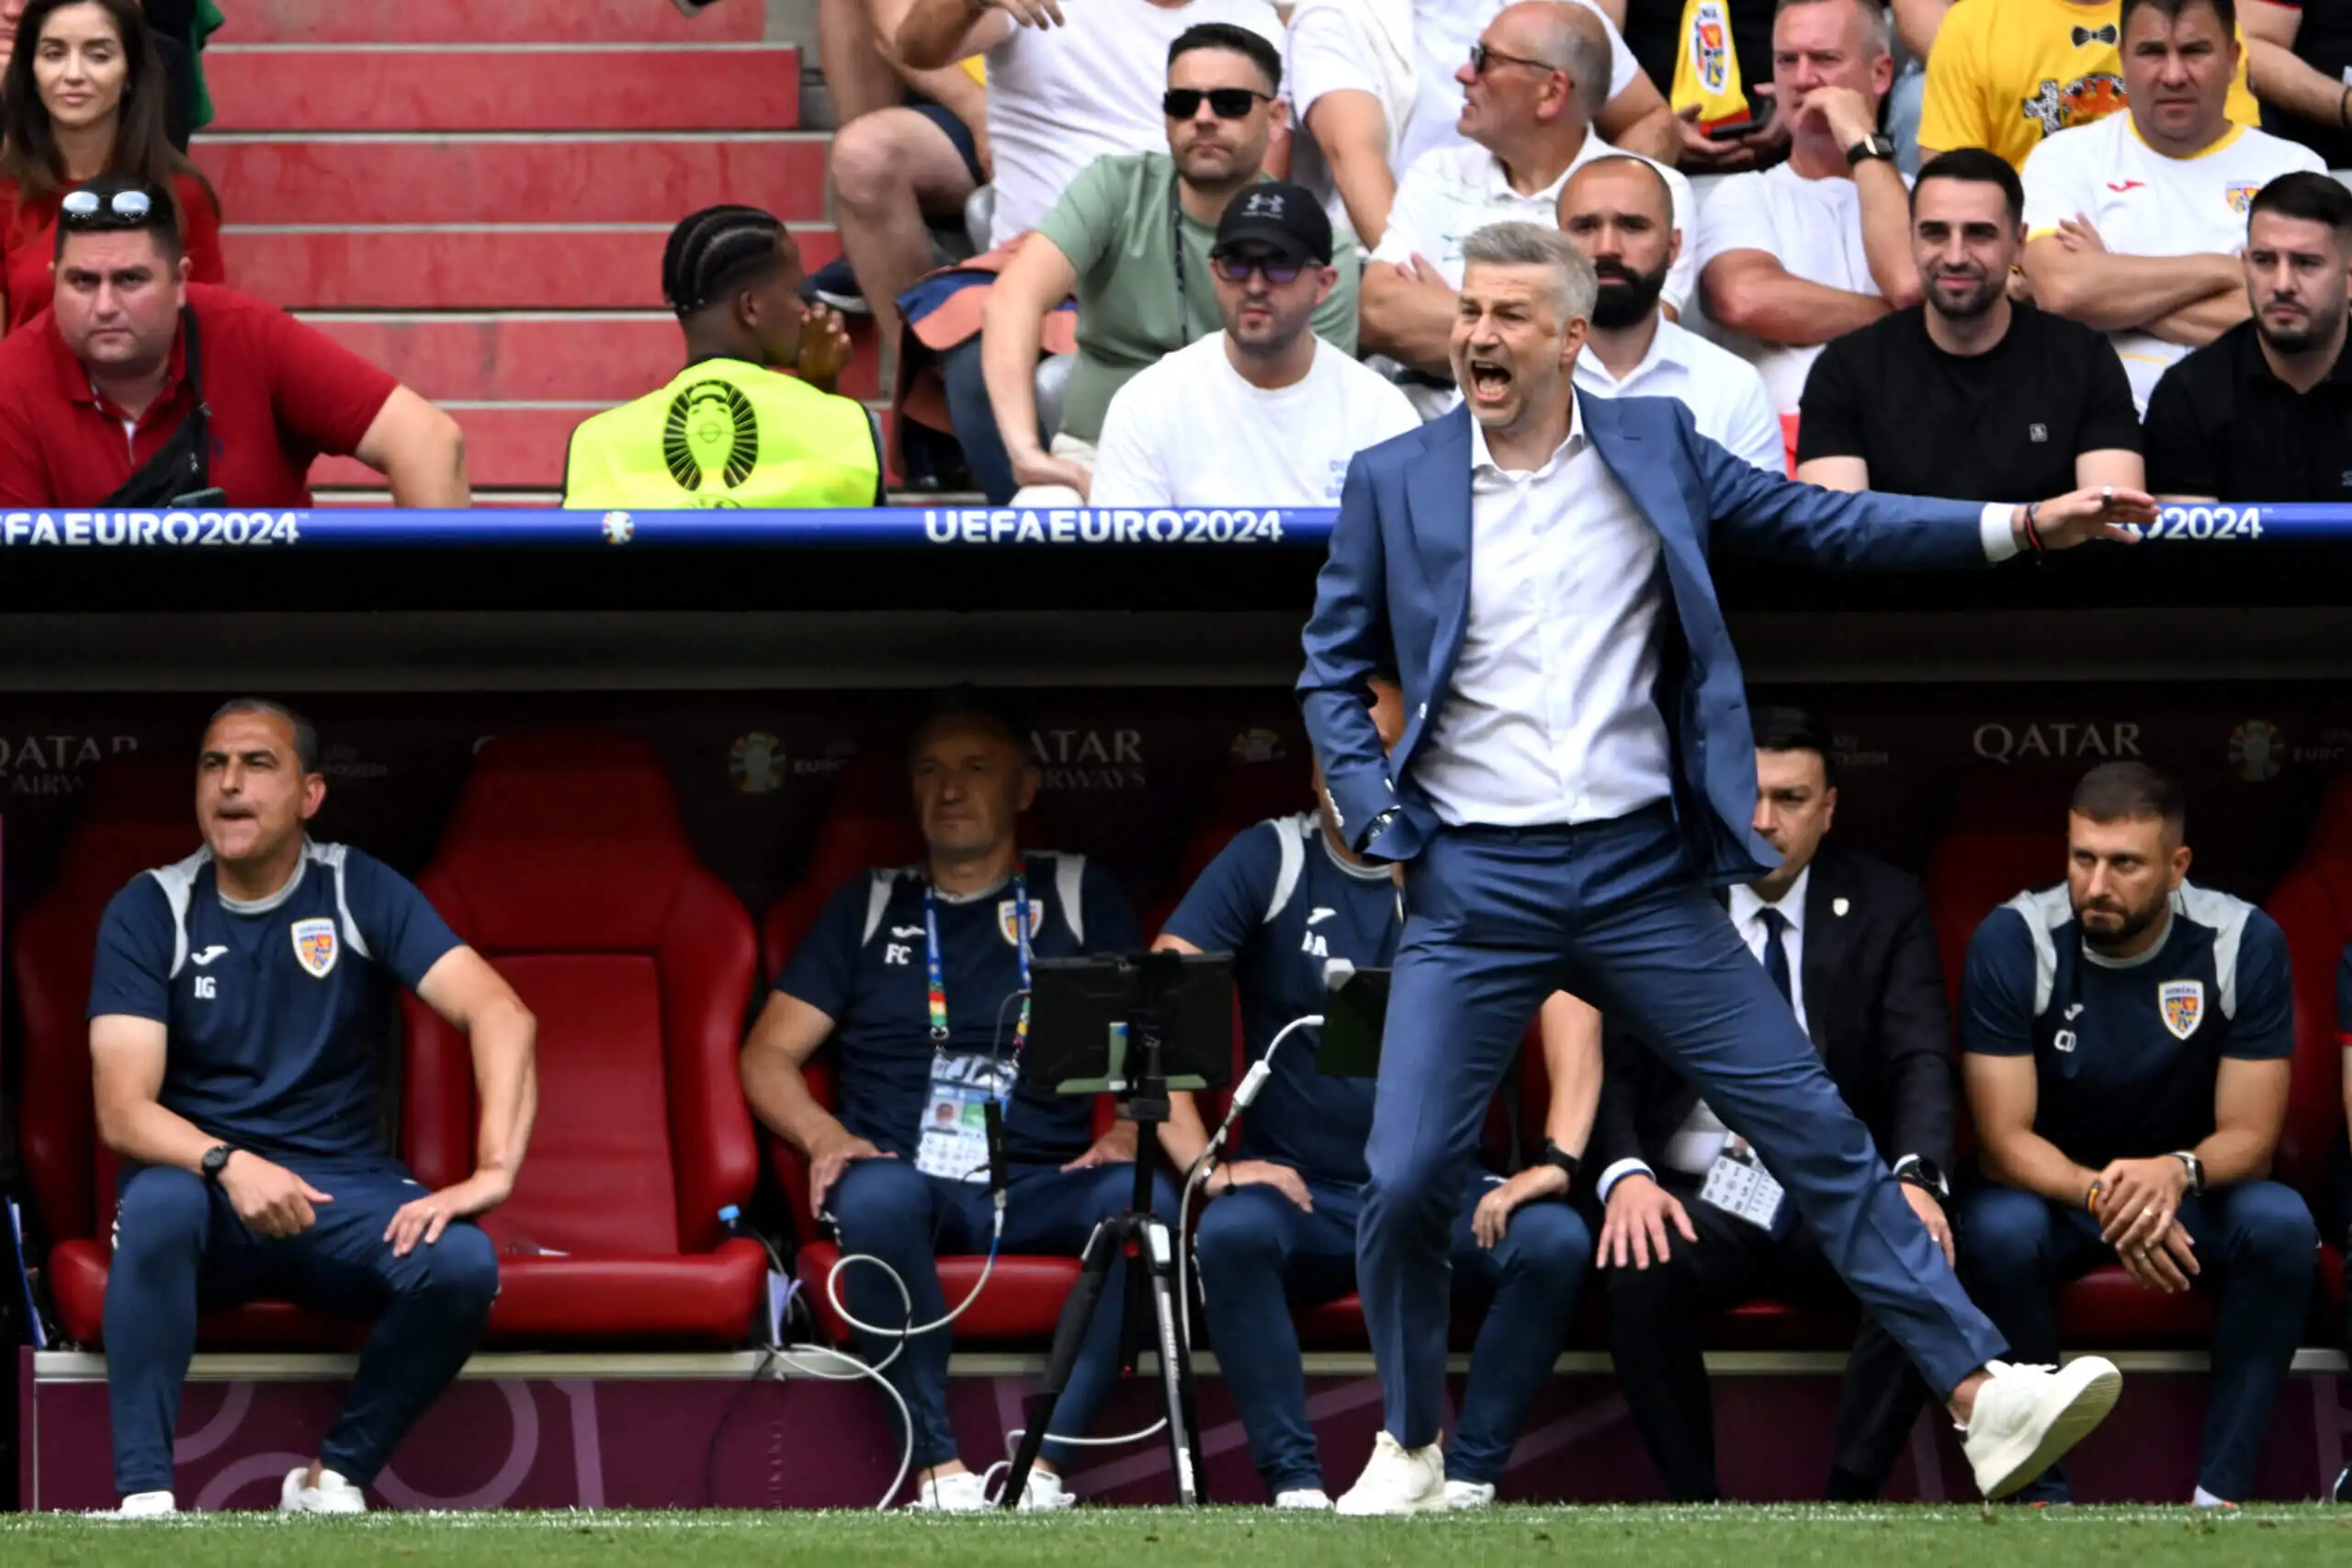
[[726, 433], [1706, 67]]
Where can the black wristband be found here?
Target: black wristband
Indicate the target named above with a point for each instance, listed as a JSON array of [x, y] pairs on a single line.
[[1561, 1160]]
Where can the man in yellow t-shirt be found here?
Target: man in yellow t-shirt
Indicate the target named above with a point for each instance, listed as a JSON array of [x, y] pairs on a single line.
[[2008, 74]]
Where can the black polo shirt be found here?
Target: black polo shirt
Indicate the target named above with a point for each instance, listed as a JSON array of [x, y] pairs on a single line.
[[2220, 424], [2006, 425]]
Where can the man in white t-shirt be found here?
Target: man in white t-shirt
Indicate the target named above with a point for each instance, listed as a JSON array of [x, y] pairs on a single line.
[[1527, 118], [1815, 247], [1263, 414], [1060, 94], [2133, 223], [1374, 83], [1618, 211]]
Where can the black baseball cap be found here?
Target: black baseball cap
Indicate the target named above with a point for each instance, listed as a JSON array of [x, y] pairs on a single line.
[[1277, 213]]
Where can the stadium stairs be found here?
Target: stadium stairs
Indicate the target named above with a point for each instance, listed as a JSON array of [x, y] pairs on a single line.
[[475, 196]]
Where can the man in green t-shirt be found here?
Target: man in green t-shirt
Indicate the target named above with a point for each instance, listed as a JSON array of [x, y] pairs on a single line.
[[1130, 240]]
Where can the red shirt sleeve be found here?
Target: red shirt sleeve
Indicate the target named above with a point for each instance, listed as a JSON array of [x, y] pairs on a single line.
[[202, 241], [24, 473], [321, 391]]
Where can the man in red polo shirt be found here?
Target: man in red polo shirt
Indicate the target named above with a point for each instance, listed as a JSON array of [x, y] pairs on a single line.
[[96, 406]]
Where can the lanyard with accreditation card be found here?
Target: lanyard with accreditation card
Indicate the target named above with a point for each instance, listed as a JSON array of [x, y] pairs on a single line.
[[954, 1124]]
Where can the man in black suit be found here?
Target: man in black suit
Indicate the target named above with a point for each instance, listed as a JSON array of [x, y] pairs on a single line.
[[1693, 1222]]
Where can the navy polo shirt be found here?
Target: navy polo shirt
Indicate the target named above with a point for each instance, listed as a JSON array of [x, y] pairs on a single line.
[[276, 1010], [2126, 1050], [1283, 905], [862, 965]]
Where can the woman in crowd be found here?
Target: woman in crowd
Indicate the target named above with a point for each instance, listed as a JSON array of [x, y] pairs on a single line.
[[84, 96]]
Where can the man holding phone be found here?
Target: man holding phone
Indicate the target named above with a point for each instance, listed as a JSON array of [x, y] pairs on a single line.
[[1818, 246]]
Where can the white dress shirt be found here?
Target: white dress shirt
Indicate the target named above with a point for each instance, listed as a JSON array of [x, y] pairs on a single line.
[[1748, 913], [1724, 392], [1552, 715]]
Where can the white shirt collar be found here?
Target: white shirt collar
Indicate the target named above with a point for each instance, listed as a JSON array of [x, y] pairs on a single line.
[[1482, 459], [1496, 178], [1745, 902], [1669, 345]]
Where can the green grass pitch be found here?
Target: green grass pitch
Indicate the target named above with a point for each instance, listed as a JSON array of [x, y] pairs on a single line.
[[1974, 1537]]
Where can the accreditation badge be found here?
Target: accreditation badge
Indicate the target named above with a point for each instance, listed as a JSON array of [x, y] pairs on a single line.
[[1739, 1185], [955, 1140]]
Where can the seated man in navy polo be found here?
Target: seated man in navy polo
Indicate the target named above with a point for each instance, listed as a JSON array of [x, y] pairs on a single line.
[[1285, 898], [912, 973], [238, 1009], [2128, 1039]]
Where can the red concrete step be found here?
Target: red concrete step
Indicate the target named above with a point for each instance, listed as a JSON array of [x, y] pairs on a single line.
[[400, 178], [490, 21], [379, 497], [725, 86], [507, 447], [466, 267], [543, 357]]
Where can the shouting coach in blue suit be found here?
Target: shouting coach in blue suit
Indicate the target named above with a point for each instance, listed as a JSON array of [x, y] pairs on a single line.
[[1577, 771]]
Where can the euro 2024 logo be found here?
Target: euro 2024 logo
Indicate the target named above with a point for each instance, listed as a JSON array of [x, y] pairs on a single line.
[[2257, 750]]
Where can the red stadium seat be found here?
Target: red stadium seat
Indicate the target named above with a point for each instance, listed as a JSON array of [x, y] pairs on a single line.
[[1246, 793], [1973, 871], [140, 813], [565, 864], [1788, 441], [2313, 904], [871, 822]]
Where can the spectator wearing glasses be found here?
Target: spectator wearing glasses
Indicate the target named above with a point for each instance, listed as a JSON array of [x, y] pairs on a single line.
[[1969, 392], [224, 397], [1374, 83], [753, 419], [1263, 414], [1528, 95], [1618, 211], [84, 95], [1818, 246], [2264, 411], [1131, 240]]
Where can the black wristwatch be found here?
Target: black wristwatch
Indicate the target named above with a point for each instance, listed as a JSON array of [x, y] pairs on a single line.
[[1924, 1174], [1376, 826], [216, 1160], [1560, 1160], [1877, 144], [2196, 1168]]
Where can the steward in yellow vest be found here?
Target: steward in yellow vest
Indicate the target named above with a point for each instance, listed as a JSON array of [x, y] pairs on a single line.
[[735, 428]]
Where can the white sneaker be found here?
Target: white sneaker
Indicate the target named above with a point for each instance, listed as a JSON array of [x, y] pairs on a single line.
[[1045, 1494], [966, 1492], [332, 1494], [2027, 1418], [1398, 1480], [1313, 1497], [147, 1506], [1468, 1493]]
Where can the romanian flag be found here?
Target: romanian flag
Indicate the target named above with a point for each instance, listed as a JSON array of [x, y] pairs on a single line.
[[1706, 67]]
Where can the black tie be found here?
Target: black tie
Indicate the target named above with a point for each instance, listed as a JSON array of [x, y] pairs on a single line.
[[1776, 954], [2095, 35]]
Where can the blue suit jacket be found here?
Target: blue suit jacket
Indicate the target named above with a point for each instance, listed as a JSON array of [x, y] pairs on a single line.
[[1395, 594]]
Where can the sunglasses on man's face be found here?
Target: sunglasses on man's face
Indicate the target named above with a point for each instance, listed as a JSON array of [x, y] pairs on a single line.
[[1226, 103], [1481, 58], [1277, 270], [86, 209]]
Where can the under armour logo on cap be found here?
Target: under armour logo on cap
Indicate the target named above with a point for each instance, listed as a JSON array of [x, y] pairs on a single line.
[[1264, 204], [2095, 35]]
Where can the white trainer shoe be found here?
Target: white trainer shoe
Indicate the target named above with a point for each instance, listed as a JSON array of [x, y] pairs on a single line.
[[332, 1494], [1469, 1493], [965, 1493], [147, 1506], [1045, 1494], [2027, 1418], [1308, 1498], [1398, 1480]]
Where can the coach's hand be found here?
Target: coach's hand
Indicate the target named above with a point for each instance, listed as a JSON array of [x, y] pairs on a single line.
[[829, 1158], [269, 1198], [1116, 1147], [2099, 511], [1634, 1225], [424, 1219], [2165, 1267]]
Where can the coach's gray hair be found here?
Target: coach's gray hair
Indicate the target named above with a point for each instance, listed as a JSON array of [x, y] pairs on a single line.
[[306, 737], [1538, 244], [1876, 42]]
